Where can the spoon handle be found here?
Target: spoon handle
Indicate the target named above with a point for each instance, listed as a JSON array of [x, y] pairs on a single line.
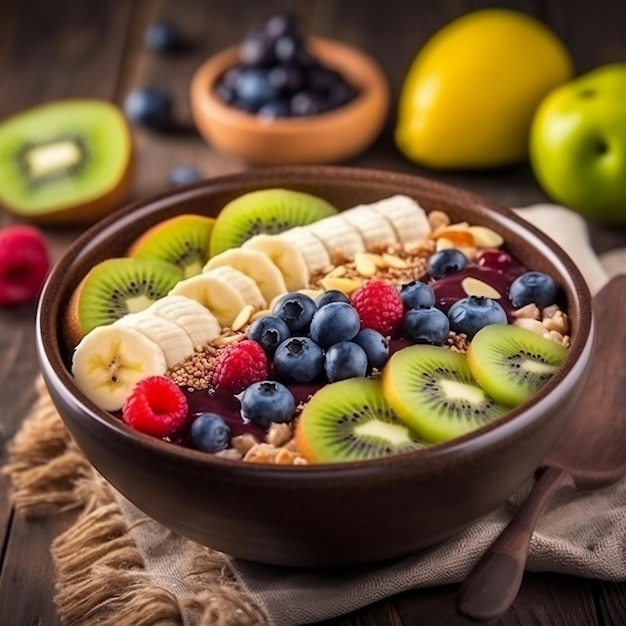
[[492, 585]]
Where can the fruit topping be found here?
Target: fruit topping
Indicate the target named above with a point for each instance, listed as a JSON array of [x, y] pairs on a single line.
[[495, 260], [512, 363], [337, 321], [296, 310], [345, 359], [432, 390], [298, 360], [269, 332], [351, 420], [332, 295], [425, 325], [470, 314], [417, 294], [379, 306], [533, 287], [24, 264], [239, 365], [155, 406], [445, 262], [209, 433], [375, 345], [267, 401]]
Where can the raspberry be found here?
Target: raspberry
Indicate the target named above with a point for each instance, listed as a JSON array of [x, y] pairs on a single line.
[[156, 406], [379, 306], [240, 365]]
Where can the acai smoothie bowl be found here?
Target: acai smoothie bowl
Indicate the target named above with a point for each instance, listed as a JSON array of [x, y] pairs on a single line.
[[315, 365]]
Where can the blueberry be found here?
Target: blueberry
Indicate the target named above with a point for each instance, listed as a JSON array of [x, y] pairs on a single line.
[[296, 310], [417, 294], [306, 103], [426, 325], [257, 50], [345, 359], [446, 262], [298, 360], [274, 109], [184, 175], [375, 345], [337, 321], [267, 401], [332, 295], [280, 24], [209, 432], [254, 87], [150, 107], [269, 332], [470, 314], [286, 78], [533, 287], [163, 36]]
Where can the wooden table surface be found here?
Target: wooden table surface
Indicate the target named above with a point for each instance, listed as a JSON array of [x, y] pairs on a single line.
[[73, 48]]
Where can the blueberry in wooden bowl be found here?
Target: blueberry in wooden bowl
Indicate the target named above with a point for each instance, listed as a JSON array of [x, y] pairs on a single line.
[[321, 513], [282, 98]]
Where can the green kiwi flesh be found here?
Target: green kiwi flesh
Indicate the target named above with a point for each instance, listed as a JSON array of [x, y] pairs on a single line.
[[119, 286], [513, 363], [182, 240], [350, 421], [268, 211], [433, 391], [62, 154]]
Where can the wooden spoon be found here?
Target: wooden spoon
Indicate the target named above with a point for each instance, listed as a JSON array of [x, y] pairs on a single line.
[[590, 455]]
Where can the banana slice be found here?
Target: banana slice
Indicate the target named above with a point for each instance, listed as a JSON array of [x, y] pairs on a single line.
[[338, 236], [285, 255], [222, 299], [242, 283], [109, 360], [312, 249], [407, 217], [376, 232], [256, 265], [170, 337], [196, 320]]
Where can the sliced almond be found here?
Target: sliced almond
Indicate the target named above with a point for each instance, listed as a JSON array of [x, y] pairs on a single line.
[[260, 314], [312, 293], [459, 234], [437, 219], [533, 325], [393, 261], [485, 237], [530, 311], [364, 265], [225, 340], [443, 243], [476, 287], [346, 285], [340, 270], [242, 318]]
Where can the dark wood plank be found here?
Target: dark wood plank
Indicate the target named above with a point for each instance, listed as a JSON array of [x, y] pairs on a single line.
[[611, 600]]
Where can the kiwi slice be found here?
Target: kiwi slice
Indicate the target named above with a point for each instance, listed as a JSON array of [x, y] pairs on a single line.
[[350, 420], [67, 160], [512, 363], [182, 240], [431, 388], [116, 287], [269, 211]]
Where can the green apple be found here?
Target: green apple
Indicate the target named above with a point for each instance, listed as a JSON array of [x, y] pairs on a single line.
[[578, 144]]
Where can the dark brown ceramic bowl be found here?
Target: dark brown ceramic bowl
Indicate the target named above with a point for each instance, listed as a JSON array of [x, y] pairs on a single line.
[[330, 137], [326, 514]]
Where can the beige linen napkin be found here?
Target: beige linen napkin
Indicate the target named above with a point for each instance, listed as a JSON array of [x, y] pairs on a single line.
[[581, 534], [114, 563]]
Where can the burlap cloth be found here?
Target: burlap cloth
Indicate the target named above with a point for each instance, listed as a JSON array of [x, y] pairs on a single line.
[[116, 566]]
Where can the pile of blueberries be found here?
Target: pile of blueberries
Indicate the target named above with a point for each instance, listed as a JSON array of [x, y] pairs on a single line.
[[277, 76]]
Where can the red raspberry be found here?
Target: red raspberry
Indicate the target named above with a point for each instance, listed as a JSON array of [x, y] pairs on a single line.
[[240, 365], [379, 306], [156, 406]]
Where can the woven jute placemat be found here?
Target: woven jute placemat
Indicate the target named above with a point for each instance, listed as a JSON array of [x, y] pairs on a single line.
[[115, 566]]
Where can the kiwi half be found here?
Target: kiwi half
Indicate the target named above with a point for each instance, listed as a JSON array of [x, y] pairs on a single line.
[[350, 420], [433, 391], [512, 363], [65, 161], [116, 287], [269, 211], [182, 240]]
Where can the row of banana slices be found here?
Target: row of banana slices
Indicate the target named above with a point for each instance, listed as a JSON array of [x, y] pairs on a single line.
[[109, 360]]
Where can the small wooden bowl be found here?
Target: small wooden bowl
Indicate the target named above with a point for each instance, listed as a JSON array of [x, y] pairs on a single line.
[[329, 137]]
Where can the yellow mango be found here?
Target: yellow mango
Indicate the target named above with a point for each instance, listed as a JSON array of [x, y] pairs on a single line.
[[470, 94]]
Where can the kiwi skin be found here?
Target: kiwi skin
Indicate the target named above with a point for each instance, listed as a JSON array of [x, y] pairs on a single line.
[[75, 326], [412, 373], [490, 357], [335, 410], [88, 211], [266, 211]]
